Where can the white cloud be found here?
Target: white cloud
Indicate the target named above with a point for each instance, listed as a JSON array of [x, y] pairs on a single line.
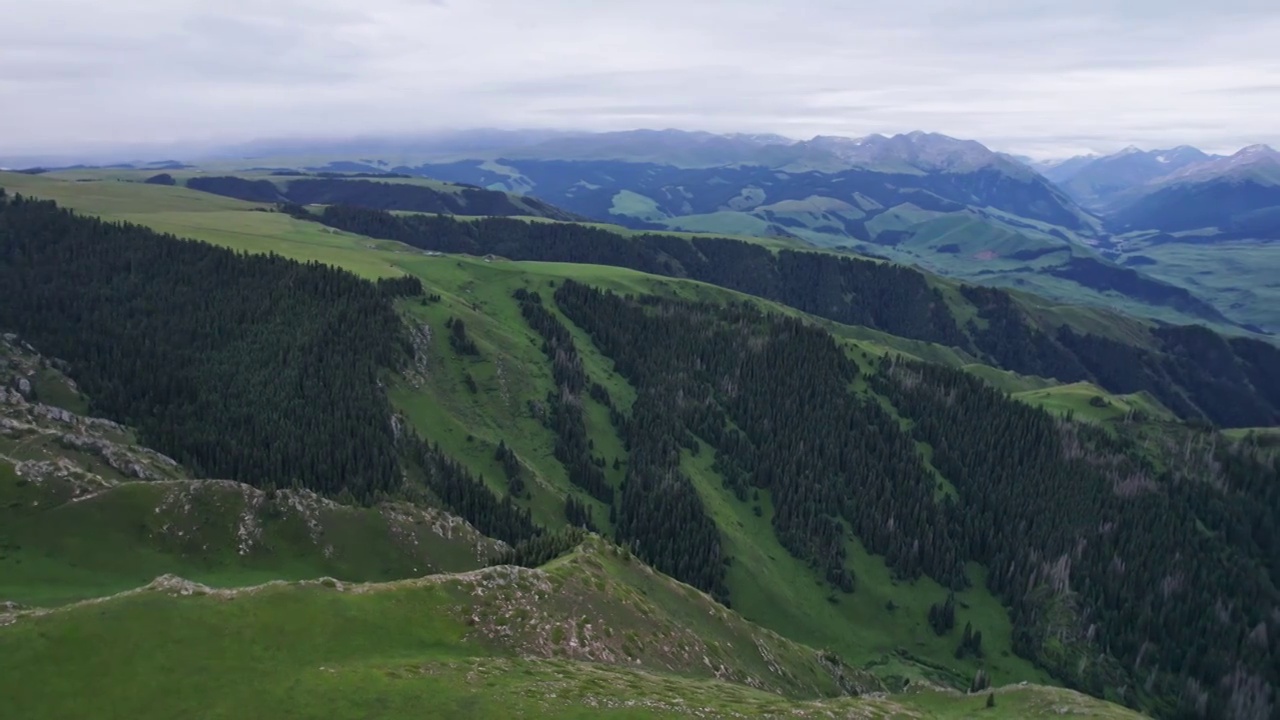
[[1023, 75]]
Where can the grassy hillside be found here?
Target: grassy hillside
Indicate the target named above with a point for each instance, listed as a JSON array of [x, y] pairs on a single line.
[[509, 642], [85, 511], [222, 221], [1088, 401], [510, 372], [1238, 276], [259, 184], [472, 403], [980, 227], [767, 584]]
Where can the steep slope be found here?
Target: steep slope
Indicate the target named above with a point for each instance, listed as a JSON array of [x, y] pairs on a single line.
[[591, 635], [85, 510], [885, 297], [934, 172], [374, 188], [1096, 182], [716, 413], [950, 206], [882, 297], [1238, 196], [1059, 170]]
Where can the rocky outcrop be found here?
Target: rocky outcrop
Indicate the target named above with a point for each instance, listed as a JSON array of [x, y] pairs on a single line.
[[84, 454]]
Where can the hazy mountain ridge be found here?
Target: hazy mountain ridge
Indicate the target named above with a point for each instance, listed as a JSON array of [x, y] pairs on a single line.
[[951, 206], [1095, 181], [490, 382], [1238, 196]]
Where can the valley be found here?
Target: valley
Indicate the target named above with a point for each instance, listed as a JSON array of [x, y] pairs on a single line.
[[951, 206], [485, 359], [512, 426]]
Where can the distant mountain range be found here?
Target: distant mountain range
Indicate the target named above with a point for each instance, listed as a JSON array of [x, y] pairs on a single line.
[[1094, 181], [949, 205], [1179, 190], [1111, 230]]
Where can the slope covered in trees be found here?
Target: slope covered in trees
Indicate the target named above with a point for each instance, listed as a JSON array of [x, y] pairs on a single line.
[[1135, 566], [1165, 602], [886, 297], [377, 194], [247, 367], [1065, 513]]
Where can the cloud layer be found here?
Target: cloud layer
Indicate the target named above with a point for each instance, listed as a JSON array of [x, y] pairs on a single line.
[[1044, 78]]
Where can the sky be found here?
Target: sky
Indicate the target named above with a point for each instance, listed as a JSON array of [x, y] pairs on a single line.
[[1046, 79]]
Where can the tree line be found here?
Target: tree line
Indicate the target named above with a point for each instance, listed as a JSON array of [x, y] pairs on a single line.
[[249, 367], [566, 419], [381, 195], [1122, 576], [1180, 365]]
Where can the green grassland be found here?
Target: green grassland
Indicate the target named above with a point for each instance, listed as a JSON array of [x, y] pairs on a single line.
[[129, 175], [1265, 439], [1087, 401], [215, 219], [881, 627], [119, 534], [504, 642], [247, 227], [1009, 382], [55, 550], [766, 583], [1242, 277], [994, 248], [86, 511]]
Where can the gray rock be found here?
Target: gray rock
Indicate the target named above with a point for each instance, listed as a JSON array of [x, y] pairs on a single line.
[[24, 387], [56, 414]]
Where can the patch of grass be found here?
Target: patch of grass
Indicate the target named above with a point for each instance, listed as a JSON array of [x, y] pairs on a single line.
[[1087, 401], [773, 589], [401, 651], [1236, 276], [52, 388], [215, 219], [726, 222], [1009, 382], [900, 217], [219, 533], [632, 204], [767, 584]]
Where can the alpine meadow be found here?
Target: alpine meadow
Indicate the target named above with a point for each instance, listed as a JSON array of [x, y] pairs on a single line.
[[313, 407]]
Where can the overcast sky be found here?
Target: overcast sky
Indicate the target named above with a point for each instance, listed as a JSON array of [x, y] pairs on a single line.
[[1043, 78]]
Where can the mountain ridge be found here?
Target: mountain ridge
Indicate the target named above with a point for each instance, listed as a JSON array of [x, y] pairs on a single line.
[[728, 465]]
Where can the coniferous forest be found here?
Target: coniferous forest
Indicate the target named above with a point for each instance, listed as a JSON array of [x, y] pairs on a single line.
[[372, 193], [247, 367], [1134, 566], [1182, 366], [1157, 575]]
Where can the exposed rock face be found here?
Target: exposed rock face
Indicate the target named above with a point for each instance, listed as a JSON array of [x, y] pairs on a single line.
[[420, 337], [102, 452]]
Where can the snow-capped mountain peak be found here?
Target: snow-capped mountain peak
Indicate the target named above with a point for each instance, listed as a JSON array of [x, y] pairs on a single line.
[[1256, 151]]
